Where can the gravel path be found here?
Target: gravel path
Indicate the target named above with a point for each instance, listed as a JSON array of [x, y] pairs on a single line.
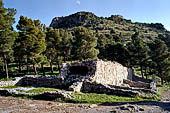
[[17, 105], [165, 96]]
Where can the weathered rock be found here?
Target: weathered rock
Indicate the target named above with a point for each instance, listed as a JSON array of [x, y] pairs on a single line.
[[4, 92], [130, 108], [56, 94], [76, 87], [89, 86], [42, 81], [137, 84]]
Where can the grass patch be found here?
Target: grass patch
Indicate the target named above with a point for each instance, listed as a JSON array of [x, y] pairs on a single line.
[[167, 85], [10, 87], [90, 98], [41, 90], [6, 79], [93, 98]]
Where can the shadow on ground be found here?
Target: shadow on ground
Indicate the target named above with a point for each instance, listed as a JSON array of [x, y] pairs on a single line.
[[163, 105]]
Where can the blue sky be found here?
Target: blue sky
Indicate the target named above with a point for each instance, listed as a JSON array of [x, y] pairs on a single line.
[[155, 11]]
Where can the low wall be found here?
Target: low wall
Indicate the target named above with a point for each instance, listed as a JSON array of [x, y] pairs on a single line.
[[93, 87], [137, 84], [10, 82], [137, 79], [41, 81]]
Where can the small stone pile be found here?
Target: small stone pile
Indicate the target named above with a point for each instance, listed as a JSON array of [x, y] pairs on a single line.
[[129, 108], [57, 94]]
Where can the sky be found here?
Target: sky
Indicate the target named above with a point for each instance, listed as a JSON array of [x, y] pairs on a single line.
[[148, 11]]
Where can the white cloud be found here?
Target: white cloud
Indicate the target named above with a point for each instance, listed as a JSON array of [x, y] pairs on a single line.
[[78, 2]]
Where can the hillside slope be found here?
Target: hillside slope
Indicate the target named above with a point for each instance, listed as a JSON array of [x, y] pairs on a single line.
[[115, 24]]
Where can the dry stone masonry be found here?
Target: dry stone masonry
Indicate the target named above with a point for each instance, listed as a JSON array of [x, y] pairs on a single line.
[[90, 76], [97, 71]]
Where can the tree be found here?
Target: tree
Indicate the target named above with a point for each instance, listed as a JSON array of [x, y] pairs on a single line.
[[31, 41], [166, 39], [53, 41], [7, 35], [138, 52], [84, 44], [160, 58], [117, 52], [66, 44], [102, 42]]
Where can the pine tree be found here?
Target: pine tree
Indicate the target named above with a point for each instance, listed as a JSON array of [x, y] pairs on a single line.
[[7, 35], [117, 52], [31, 41], [138, 51], [160, 58], [53, 41], [84, 44]]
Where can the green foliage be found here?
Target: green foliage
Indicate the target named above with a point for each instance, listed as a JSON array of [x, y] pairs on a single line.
[[6, 79], [41, 90], [84, 43], [117, 52], [58, 44], [31, 41], [93, 98], [160, 59], [7, 35], [138, 52], [10, 87]]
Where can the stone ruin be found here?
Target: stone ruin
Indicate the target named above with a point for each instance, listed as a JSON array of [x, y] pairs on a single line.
[[91, 76], [98, 71]]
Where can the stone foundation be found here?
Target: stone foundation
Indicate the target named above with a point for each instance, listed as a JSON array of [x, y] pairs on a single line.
[[97, 71], [100, 88], [41, 81], [138, 84]]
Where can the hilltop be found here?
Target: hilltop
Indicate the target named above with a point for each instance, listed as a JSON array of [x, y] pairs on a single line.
[[115, 24]]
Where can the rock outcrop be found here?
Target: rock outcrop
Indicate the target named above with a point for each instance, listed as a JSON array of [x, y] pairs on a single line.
[[77, 19]]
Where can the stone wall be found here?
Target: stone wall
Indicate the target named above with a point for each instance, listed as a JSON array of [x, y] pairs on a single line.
[[41, 81], [138, 84], [89, 86], [111, 73], [99, 71]]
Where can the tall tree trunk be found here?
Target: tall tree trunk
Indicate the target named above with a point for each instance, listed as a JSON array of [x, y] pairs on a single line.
[[145, 73], [51, 67], [43, 70], [20, 69], [3, 67], [64, 59], [58, 66], [6, 66], [27, 65], [162, 79], [141, 69], [35, 69]]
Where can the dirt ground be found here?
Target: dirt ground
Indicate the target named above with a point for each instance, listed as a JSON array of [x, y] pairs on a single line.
[[17, 105]]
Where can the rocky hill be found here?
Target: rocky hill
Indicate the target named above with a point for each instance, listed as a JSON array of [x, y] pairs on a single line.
[[115, 24]]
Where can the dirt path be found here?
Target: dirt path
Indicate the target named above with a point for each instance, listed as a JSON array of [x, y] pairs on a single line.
[[17, 105], [165, 94]]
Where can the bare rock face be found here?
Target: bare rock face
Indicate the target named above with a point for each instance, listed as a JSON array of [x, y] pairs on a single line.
[[77, 19]]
